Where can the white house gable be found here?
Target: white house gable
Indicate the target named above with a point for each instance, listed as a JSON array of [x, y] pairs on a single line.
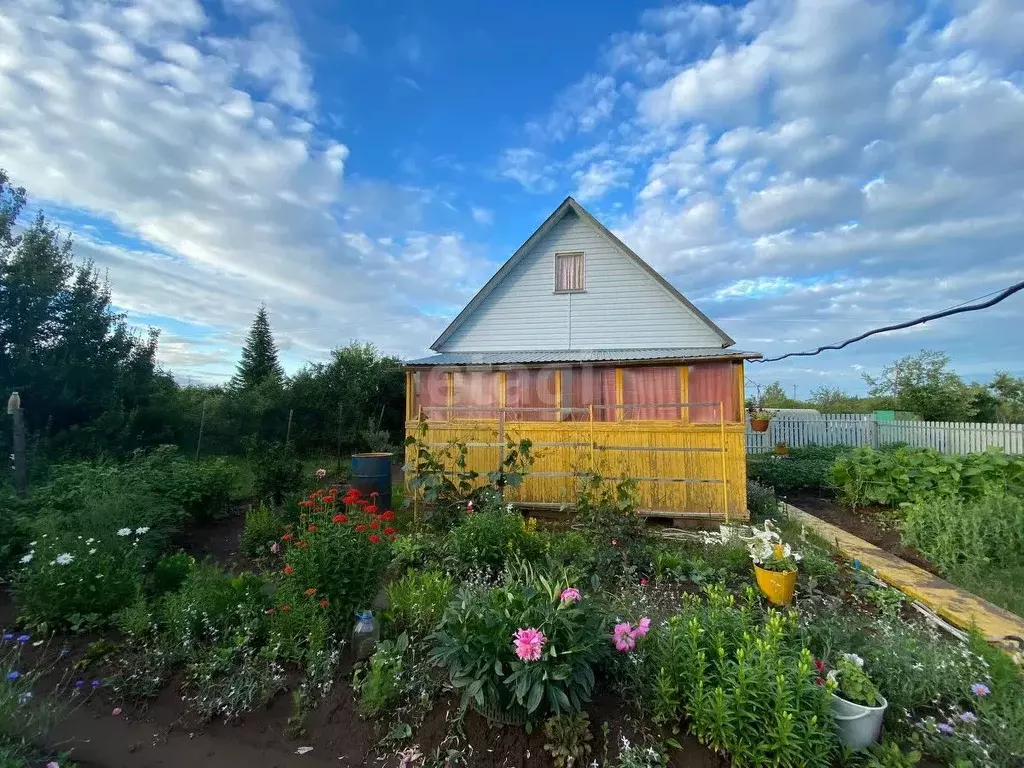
[[622, 306]]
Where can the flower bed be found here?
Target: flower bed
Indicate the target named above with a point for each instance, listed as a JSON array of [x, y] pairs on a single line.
[[573, 639]]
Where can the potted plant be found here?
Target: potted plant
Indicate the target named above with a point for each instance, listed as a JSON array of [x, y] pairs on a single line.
[[775, 564], [759, 419], [857, 705], [781, 449]]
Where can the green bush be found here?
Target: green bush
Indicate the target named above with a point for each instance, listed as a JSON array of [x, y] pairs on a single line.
[[25, 714], [606, 515], [276, 469], [791, 473], [416, 602], [745, 682], [170, 572], [488, 538], [905, 475], [971, 535], [263, 528], [475, 644], [762, 502], [70, 581]]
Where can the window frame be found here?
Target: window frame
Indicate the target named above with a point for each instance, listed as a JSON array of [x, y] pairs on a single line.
[[583, 258]]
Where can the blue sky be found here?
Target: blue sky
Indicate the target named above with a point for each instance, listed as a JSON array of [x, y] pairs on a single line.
[[802, 170]]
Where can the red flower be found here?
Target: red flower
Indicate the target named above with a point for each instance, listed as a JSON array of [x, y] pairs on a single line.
[[340, 518], [287, 537], [324, 603], [374, 494], [819, 665], [306, 503], [819, 681], [361, 502], [288, 570], [389, 531], [302, 544], [312, 528], [375, 539], [388, 516], [285, 608], [375, 524], [360, 528], [370, 509], [310, 592], [643, 582]]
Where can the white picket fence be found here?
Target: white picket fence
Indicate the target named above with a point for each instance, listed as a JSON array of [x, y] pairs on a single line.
[[857, 429]]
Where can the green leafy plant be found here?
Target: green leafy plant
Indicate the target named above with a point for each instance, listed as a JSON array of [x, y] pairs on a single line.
[[416, 602], [432, 478], [486, 539], [762, 502], [606, 514], [802, 469], [475, 643], [170, 572], [567, 739], [889, 754], [745, 682], [852, 682], [263, 529], [379, 683]]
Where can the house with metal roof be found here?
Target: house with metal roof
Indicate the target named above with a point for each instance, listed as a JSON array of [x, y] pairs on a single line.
[[577, 344]]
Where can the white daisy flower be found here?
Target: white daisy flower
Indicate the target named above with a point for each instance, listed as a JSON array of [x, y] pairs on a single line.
[[142, 530], [124, 532], [92, 551], [26, 559], [64, 558]]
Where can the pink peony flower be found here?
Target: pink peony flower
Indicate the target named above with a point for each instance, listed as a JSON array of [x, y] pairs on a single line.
[[623, 638], [643, 582], [275, 548], [528, 643], [116, 712], [571, 595], [642, 628]]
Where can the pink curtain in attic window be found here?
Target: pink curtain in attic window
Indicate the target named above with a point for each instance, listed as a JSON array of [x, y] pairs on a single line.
[[477, 390], [650, 385], [713, 383], [431, 393]]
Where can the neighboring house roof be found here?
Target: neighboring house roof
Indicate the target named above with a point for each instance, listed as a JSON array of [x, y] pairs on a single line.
[[570, 205], [581, 356]]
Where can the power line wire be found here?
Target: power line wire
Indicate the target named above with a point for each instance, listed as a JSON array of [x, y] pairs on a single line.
[[954, 310]]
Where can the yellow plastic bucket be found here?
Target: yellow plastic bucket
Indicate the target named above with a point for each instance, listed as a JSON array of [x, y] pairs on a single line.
[[778, 587]]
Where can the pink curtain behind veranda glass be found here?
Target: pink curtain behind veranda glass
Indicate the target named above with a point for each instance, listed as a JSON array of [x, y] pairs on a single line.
[[570, 271], [478, 389], [709, 383], [582, 387], [431, 393], [650, 385], [528, 389]]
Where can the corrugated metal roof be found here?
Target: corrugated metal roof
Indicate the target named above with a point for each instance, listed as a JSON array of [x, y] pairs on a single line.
[[579, 356]]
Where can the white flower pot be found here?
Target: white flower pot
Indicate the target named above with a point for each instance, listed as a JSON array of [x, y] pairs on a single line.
[[858, 726]]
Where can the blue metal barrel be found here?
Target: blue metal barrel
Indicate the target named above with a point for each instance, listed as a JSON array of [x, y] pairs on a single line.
[[371, 473]]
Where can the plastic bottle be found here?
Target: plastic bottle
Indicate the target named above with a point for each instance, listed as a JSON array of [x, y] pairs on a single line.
[[365, 634]]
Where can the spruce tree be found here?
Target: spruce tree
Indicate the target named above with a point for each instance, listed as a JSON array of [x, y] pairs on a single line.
[[259, 355]]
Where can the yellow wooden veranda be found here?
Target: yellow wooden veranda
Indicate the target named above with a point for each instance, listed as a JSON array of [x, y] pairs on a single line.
[[687, 452]]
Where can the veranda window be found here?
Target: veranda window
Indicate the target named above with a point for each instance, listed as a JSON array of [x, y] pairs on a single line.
[[477, 391], [713, 383], [529, 389], [583, 387], [650, 386], [430, 392]]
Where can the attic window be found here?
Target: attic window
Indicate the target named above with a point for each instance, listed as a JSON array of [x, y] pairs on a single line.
[[569, 272]]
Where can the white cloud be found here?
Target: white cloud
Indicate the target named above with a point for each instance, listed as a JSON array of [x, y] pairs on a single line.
[[482, 215], [593, 182], [529, 167], [788, 203]]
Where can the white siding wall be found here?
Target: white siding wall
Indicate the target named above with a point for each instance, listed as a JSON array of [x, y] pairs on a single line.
[[623, 306]]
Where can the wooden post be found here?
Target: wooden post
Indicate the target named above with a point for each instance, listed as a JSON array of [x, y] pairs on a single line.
[[18, 437], [725, 464], [340, 405], [501, 453], [288, 432], [593, 464], [202, 423]]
